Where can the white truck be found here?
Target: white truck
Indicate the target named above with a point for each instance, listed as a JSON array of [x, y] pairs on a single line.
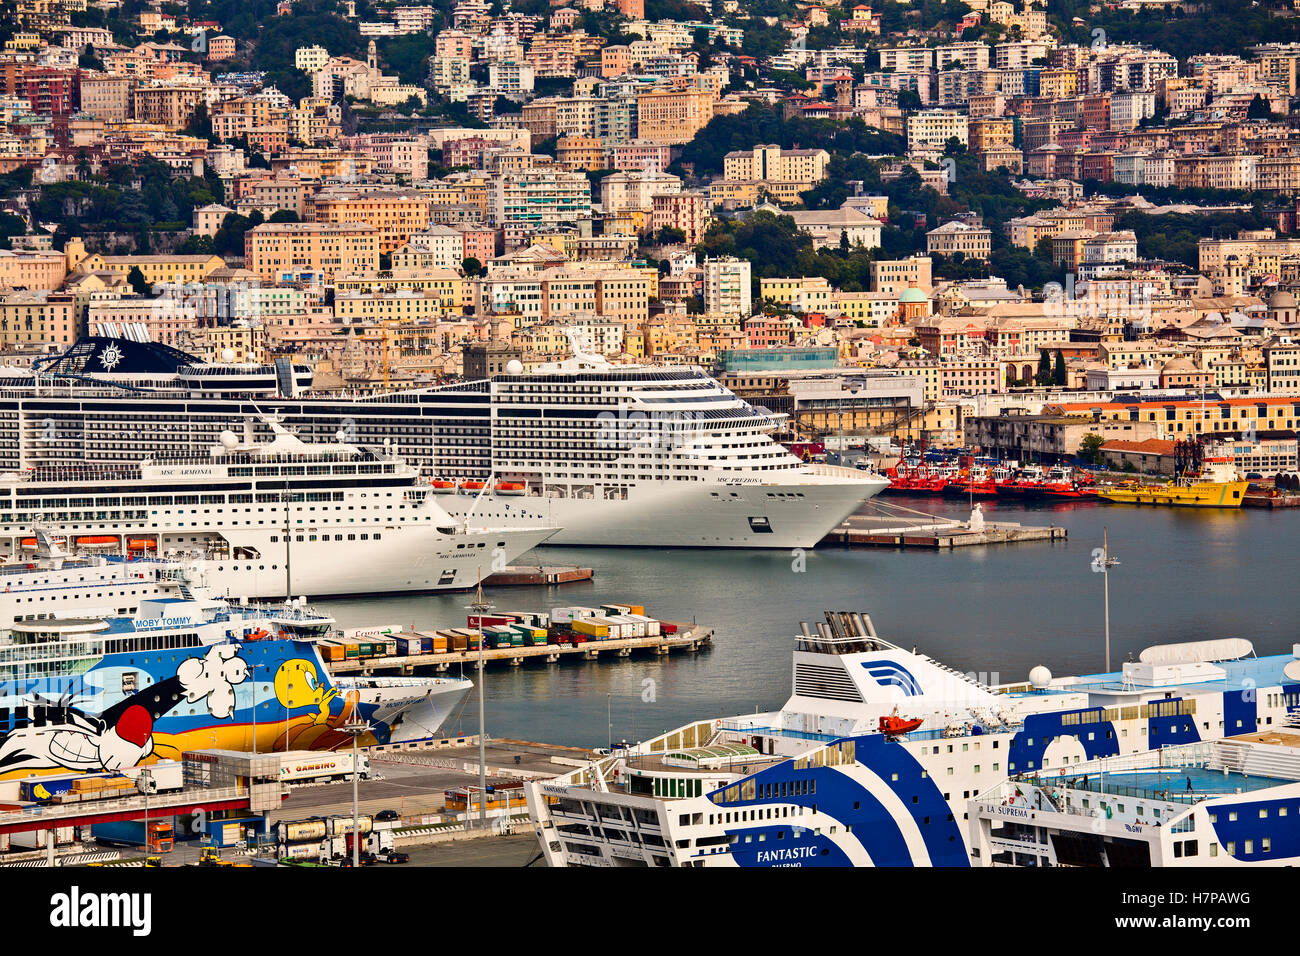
[[303, 766]]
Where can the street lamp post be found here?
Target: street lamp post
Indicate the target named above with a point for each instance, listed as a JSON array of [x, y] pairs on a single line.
[[145, 784], [355, 728], [1106, 562], [253, 670], [479, 607]]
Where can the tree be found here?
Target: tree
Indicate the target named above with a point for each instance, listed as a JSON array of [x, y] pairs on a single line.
[[471, 266], [1044, 376], [1058, 373], [1090, 448], [138, 282]]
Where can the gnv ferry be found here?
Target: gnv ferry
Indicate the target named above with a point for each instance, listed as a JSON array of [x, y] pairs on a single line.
[[879, 754], [190, 672]]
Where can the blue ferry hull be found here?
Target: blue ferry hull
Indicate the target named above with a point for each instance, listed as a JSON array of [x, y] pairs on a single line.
[[132, 708]]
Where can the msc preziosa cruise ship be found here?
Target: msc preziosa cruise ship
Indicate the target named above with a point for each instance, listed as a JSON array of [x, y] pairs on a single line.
[[609, 455]]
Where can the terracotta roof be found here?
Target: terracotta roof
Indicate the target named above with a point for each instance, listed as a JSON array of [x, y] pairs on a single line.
[[1152, 446]]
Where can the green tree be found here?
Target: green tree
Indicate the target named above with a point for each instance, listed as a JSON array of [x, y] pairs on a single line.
[[1044, 376], [1090, 448], [471, 266], [135, 278], [1058, 372]]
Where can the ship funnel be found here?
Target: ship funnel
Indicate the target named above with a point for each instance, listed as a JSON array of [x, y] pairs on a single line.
[[803, 627]]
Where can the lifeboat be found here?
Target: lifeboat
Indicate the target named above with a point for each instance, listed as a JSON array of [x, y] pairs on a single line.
[[87, 539], [472, 485], [31, 542], [142, 544], [509, 488], [443, 487], [260, 634], [893, 726]]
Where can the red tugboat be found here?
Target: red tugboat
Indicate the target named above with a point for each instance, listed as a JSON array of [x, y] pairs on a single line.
[[918, 480], [973, 484], [894, 726]]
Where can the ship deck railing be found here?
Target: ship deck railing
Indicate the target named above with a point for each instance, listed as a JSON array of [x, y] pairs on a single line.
[[19, 567], [736, 726], [106, 473]]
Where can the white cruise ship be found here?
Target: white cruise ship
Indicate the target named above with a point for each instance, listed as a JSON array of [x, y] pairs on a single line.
[[886, 757], [611, 455], [265, 519]]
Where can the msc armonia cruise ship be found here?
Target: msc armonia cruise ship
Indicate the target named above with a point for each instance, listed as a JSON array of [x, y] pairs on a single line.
[[609, 455]]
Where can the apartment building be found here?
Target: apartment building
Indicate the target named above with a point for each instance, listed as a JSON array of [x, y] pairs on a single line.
[[288, 251]]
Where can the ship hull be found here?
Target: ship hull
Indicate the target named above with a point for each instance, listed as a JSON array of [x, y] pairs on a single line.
[[1212, 494], [402, 561], [685, 514], [122, 710]]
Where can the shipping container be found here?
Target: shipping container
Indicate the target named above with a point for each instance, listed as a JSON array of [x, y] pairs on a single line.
[[330, 651], [489, 620], [302, 831], [649, 624], [530, 618], [591, 628], [632, 626], [341, 826], [300, 851], [410, 646], [377, 630]]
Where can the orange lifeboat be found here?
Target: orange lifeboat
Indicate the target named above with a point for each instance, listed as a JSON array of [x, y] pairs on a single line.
[[86, 539], [443, 487], [894, 726], [509, 488], [472, 485], [142, 544]]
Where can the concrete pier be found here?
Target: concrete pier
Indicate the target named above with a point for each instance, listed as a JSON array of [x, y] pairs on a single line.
[[518, 575], [871, 531], [689, 638]]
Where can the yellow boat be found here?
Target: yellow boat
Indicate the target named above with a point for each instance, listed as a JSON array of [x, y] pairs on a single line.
[[1218, 486]]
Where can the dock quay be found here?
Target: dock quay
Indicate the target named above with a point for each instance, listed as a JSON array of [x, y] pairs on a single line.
[[881, 531], [1253, 499], [689, 638], [519, 575]]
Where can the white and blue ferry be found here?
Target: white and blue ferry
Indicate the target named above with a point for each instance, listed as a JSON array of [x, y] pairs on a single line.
[[880, 753]]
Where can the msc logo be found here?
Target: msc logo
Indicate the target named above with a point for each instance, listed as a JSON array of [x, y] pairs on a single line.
[[887, 673]]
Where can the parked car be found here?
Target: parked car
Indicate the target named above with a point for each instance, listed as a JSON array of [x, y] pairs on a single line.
[[386, 815]]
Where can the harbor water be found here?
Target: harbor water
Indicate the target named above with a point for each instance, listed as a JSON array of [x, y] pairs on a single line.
[[997, 611]]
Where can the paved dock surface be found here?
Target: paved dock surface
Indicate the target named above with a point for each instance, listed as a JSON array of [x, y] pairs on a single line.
[[885, 531], [518, 849]]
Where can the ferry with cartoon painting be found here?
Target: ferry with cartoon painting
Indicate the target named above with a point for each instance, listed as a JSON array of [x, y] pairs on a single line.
[[191, 671]]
